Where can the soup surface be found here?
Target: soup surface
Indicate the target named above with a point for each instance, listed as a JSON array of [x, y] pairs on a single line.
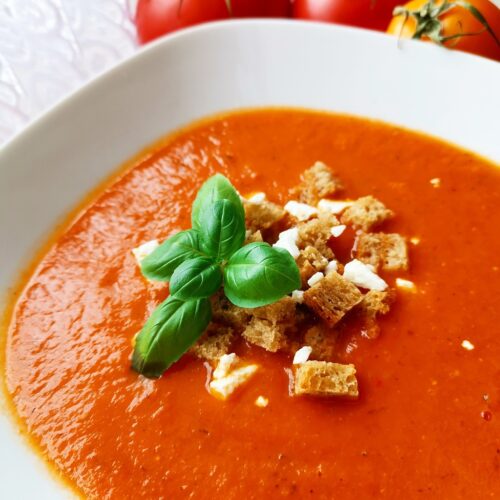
[[427, 424]]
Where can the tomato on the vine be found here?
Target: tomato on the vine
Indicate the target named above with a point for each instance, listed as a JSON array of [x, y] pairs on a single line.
[[472, 26], [373, 14], [155, 18]]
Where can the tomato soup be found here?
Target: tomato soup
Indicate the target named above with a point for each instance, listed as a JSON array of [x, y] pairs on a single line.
[[427, 423]]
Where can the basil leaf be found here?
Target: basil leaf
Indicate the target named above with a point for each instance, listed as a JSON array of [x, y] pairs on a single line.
[[161, 263], [196, 279], [258, 274], [216, 188], [172, 328], [222, 230]]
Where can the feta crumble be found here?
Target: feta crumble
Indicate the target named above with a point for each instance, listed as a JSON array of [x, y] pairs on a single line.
[[300, 211], [338, 230], [257, 198], [226, 378], [261, 402], [331, 267], [315, 278], [288, 241], [436, 182], [298, 296], [415, 240], [363, 276], [406, 284], [334, 207], [467, 345], [302, 355], [226, 363], [142, 251]]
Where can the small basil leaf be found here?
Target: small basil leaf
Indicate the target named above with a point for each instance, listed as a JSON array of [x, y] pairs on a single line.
[[172, 328], [258, 274], [161, 263], [222, 230], [196, 279], [215, 188]]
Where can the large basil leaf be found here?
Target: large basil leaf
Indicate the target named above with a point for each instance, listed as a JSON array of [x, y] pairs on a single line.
[[161, 263], [172, 328], [195, 279], [258, 274], [222, 230], [216, 188]]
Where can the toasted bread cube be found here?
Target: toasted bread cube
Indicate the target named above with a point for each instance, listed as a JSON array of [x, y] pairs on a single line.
[[265, 334], [316, 233], [214, 343], [366, 213], [332, 297], [322, 340], [310, 261], [227, 313], [318, 182], [386, 251], [376, 302], [260, 216], [321, 378]]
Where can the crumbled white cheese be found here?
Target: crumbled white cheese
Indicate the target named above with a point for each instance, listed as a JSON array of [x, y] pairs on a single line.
[[415, 240], [225, 386], [226, 363], [300, 211], [466, 344], [331, 267], [257, 198], [302, 355], [362, 275], [288, 241], [334, 206], [261, 402], [298, 296], [436, 182], [315, 278], [338, 230], [142, 251], [406, 284]]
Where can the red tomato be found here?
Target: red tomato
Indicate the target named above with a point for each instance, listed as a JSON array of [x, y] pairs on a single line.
[[373, 14], [155, 18]]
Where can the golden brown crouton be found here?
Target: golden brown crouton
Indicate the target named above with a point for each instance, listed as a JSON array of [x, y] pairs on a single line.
[[269, 323], [322, 340], [386, 251], [262, 215], [318, 182], [320, 378], [253, 237], [227, 313], [316, 233], [310, 261], [215, 342], [366, 213], [332, 297], [376, 302]]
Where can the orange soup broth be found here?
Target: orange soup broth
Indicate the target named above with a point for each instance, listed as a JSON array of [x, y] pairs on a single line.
[[427, 423]]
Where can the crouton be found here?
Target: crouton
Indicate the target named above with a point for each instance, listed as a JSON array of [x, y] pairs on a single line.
[[386, 251], [321, 378], [375, 303], [214, 343], [227, 313], [322, 340], [262, 215], [269, 323], [332, 297], [318, 182], [252, 237], [316, 233], [366, 213], [309, 262]]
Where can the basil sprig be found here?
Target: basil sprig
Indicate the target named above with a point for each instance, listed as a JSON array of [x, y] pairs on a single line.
[[197, 262]]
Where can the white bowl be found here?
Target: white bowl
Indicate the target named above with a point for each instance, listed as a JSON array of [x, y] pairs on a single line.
[[50, 166]]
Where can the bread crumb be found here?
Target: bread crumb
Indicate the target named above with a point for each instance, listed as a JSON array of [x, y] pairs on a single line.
[[322, 378], [406, 285], [214, 343], [338, 230], [362, 275], [315, 278], [288, 241], [142, 251], [301, 211], [467, 345], [261, 402], [365, 213], [302, 355], [334, 206]]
